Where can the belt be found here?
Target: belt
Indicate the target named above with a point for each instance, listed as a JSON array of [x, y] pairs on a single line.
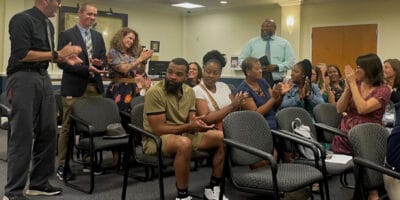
[[41, 71], [124, 80]]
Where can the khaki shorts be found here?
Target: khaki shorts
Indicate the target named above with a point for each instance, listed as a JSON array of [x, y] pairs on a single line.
[[149, 145]]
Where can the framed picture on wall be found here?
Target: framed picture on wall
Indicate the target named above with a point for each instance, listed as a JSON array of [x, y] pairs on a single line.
[[235, 63], [155, 46], [107, 22]]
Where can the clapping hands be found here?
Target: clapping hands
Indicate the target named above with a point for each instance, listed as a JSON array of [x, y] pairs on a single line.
[[96, 62], [69, 54], [146, 54], [304, 92], [239, 99], [285, 86], [349, 74]]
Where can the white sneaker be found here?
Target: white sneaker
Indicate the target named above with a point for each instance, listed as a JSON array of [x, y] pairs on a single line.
[[187, 198], [213, 194]]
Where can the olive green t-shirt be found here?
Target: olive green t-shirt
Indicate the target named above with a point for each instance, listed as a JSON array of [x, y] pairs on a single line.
[[176, 107]]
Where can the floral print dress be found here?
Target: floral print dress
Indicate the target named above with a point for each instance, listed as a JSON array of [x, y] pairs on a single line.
[[121, 91]]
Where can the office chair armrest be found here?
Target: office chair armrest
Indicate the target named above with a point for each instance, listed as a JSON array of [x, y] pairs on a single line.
[[371, 165], [330, 129], [124, 114], [254, 151], [156, 138], [5, 110], [87, 125]]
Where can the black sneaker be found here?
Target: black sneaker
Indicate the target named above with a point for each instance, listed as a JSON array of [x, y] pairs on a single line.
[[60, 173], [12, 197], [97, 170], [46, 190]]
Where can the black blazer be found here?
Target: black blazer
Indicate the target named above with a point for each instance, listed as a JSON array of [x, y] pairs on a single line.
[[75, 78]]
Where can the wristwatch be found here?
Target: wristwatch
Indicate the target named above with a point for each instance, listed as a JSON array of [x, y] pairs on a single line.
[[55, 55]]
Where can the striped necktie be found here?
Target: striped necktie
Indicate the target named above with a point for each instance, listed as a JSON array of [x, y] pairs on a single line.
[[89, 46]]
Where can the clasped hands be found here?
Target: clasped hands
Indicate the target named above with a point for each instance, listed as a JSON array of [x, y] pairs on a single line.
[[197, 124]]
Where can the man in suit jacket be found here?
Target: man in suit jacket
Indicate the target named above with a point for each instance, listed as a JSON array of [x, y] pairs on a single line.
[[83, 80]]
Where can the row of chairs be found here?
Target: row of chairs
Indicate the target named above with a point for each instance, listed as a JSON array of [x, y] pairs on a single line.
[[319, 175], [368, 141], [91, 116]]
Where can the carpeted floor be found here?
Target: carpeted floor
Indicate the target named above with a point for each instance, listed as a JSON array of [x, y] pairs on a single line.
[[109, 185]]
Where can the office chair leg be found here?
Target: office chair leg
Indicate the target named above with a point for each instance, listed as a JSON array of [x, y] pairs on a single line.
[[321, 190], [126, 158]]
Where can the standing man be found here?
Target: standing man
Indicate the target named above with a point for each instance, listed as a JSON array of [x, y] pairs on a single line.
[[169, 111], [278, 50], [30, 94], [83, 80]]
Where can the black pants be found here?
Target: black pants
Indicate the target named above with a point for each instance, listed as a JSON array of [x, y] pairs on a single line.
[[33, 130]]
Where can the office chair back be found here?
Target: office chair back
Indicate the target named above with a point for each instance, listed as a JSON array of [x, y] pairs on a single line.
[[97, 111], [286, 116], [136, 100], [260, 138], [368, 141], [326, 113]]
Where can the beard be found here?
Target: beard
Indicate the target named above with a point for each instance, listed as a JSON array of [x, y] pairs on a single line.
[[266, 35], [172, 87]]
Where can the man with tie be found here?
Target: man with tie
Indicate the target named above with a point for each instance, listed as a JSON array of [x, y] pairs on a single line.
[[30, 93], [83, 80], [278, 50]]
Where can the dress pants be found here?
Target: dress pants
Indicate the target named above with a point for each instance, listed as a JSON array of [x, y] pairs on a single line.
[[33, 130], [392, 186]]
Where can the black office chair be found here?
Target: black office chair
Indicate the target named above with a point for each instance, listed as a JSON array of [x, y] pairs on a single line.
[[326, 113], [249, 140], [286, 116], [327, 122], [89, 119], [369, 141], [150, 162], [125, 116], [137, 100], [5, 112]]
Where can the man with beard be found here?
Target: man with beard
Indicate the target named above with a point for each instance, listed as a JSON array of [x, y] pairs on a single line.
[[169, 109], [278, 50]]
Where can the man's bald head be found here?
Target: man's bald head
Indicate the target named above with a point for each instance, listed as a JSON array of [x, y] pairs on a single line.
[[268, 28]]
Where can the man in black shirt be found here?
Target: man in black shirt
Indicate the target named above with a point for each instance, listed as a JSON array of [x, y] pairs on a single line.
[[30, 93]]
